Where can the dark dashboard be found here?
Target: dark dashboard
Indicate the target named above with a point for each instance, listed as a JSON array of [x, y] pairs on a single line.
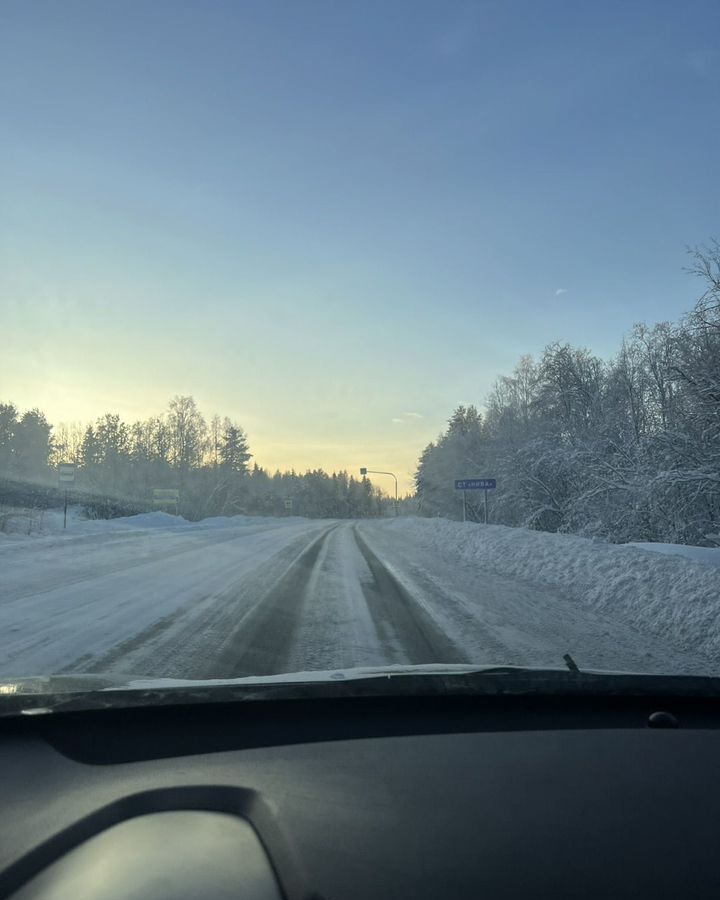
[[365, 797]]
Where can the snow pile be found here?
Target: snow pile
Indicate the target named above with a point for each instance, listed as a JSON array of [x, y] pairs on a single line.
[[40, 523], [19, 524], [16, 521], [668, 595], [708, 556]]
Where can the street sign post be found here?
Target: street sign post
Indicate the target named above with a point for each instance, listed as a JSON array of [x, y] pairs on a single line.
[[66, 473], [166, 497], [475, 484], [289, 503], [66, 476]]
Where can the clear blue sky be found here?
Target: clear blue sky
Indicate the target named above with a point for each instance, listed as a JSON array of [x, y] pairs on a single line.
[[318, 217]]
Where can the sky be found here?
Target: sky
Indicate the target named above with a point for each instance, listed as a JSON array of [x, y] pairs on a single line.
[[334, 222]]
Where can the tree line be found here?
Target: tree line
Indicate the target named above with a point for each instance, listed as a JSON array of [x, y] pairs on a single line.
[[209, 463], [623, 449]]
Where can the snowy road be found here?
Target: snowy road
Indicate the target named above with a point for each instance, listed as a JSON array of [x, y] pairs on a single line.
[[256, 597]]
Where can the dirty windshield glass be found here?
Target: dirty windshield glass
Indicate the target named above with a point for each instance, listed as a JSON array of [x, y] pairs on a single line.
[[355, 337]]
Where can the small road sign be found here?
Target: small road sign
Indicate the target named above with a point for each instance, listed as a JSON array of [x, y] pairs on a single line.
[[66, 473], [475, 484], [166, 498], [363, 471], [288, 503], [166, 494]]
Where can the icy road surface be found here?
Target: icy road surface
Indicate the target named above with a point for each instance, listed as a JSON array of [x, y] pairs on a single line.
[[228, 598]]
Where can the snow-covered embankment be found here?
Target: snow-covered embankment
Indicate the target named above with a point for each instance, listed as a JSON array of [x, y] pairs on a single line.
[[667, 595]]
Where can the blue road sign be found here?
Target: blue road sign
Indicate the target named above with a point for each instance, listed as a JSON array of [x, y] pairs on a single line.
[[475, 484]]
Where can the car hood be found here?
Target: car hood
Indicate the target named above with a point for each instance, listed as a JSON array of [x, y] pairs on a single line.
[[38, 695]]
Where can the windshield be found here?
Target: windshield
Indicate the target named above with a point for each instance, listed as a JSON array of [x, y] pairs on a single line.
[[358, 336]]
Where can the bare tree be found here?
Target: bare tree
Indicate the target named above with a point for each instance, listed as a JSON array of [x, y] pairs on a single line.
[[188, 436]]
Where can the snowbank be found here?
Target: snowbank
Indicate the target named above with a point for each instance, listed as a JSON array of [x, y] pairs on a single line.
[[38, 523], [708, 556], [659, 592], [50, 523]]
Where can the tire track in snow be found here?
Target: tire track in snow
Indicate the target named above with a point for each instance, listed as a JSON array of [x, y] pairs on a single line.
[[408, 633], [337, 630], [262, 641], [324, 601], [272, 637], [288, 622], [165, 620], [194, 641], [147, 555]]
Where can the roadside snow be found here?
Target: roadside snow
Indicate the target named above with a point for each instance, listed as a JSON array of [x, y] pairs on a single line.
[[155, 595], [667, 595], [708, 556], [67, 599], [49, 523]]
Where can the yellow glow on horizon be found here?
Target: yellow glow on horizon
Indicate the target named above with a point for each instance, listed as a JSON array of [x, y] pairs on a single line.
[[273, 448], [334, 458]]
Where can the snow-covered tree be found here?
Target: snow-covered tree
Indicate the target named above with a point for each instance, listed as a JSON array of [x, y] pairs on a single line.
[[628, 449]]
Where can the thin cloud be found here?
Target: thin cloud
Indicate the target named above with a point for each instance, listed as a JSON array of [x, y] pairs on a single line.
[[413, 415], [561, 291], [399, 421]]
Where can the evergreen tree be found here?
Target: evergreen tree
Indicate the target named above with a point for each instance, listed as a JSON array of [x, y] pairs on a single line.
[[234, 453], [31, 445], [8, 425]]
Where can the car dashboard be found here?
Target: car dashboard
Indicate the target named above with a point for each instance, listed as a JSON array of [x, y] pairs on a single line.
[[364, 797]]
